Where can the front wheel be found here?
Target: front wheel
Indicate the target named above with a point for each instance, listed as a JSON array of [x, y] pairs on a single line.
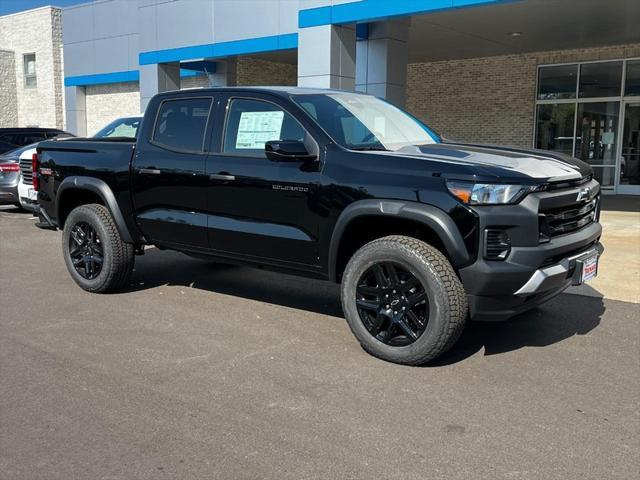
[[403, 300], [96, 256]]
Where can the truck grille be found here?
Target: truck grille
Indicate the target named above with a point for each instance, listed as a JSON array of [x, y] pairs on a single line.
[[25, 169], [570, 218]]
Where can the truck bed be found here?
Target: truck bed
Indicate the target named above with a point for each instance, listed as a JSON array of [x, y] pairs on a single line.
[[107, 160]]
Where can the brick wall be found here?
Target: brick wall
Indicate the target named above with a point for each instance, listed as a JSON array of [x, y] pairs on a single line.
[[36, 31], [254, 71], [8, 100], [107, 102], [491, 99], [194, 82]]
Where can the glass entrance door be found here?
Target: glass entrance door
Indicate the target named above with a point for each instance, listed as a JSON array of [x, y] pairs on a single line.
[[629, 176], [597, 137]]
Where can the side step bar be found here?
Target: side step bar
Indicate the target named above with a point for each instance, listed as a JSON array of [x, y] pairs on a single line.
[[44, 221]]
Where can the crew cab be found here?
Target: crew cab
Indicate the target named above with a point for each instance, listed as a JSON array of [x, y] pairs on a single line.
[[423, 234]]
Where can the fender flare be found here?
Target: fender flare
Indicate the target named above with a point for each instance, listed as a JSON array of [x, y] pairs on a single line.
[[100, 188], [429, 215]]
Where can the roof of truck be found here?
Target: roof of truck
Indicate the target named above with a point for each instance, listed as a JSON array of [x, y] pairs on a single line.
[[282, 91]]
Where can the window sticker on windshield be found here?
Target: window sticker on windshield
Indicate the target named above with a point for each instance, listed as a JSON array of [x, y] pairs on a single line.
[[256, 128]]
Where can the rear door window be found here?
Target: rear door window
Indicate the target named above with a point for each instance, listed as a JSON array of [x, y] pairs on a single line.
[[9, 138], [30, 138], [181, 124]]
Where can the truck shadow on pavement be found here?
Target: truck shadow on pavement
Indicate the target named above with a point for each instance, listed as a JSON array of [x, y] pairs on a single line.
[[560, 319]]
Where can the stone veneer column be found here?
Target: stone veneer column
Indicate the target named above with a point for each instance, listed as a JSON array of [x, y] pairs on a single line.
[[381, 61], [326, 57]]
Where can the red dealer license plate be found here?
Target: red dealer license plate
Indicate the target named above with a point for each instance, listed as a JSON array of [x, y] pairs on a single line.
[[589, 268]]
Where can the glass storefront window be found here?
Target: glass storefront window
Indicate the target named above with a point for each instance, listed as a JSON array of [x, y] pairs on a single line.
[[630, 158], [557, 82], [600, 125], [633, 78], [603, 79], [555, 127], [604, 175]]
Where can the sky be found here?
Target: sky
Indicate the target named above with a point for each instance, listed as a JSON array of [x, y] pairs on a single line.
[[13, 6]]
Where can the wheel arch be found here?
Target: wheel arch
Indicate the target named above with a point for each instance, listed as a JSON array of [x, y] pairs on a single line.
[[435, 223], [89, 186]]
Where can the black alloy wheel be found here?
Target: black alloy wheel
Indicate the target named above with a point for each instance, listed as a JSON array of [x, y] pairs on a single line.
[[392, 304], [85, 250]]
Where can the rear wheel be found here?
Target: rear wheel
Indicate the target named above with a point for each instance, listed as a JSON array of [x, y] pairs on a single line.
[[403, 300], [96, 256]]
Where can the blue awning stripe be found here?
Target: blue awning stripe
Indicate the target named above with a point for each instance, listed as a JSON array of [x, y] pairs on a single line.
[[221, 49]]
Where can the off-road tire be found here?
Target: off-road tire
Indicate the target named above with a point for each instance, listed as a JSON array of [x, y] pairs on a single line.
[[439, 280], [118, 256]]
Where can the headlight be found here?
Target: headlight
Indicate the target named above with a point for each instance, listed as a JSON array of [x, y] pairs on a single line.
[[488, 193]]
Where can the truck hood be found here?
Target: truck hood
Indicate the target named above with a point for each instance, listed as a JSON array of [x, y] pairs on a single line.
[[540, 165]]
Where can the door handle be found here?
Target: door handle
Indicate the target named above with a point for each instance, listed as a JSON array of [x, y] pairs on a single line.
[[150, 171], [222, 176]]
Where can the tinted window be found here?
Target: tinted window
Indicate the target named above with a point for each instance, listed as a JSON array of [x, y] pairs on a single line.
[[252, 123], [555, 127], [8, 138], [182, 123], [557, 82], [633, 78], [600, 79], [32, 138]]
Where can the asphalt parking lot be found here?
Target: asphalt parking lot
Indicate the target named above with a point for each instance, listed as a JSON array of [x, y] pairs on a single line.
[[208, 371]]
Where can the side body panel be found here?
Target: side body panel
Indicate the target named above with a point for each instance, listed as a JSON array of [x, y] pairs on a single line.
[[105, 161], [168, 186], [262, 210]]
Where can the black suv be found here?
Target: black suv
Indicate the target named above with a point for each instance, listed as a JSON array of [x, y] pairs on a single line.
[[12, 138], [422, 233]]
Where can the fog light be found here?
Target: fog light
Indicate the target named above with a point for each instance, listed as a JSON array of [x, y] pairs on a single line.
[[497, 244]]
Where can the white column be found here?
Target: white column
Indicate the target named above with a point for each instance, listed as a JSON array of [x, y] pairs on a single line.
[[157, 78], [75, 106], [326, 57], [381, 61], [226, 73]]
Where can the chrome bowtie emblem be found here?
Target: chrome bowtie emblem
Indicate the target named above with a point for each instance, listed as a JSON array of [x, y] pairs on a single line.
[[583, 194]]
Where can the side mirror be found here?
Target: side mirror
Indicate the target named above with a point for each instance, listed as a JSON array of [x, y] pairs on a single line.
[[287, 151]]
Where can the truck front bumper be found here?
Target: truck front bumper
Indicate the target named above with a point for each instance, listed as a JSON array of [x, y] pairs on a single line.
[[534, 271]]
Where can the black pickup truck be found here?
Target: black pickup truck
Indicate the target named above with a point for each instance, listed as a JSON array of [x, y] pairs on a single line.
[[422, 233]]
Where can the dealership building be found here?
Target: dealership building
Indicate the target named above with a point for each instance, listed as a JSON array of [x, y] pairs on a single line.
[[562, 75]]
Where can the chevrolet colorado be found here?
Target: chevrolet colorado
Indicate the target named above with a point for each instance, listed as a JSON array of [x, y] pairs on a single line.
[[422, 233]]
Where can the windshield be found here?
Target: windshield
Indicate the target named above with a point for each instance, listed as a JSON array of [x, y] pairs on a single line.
[[122, 127], [363, 122]]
